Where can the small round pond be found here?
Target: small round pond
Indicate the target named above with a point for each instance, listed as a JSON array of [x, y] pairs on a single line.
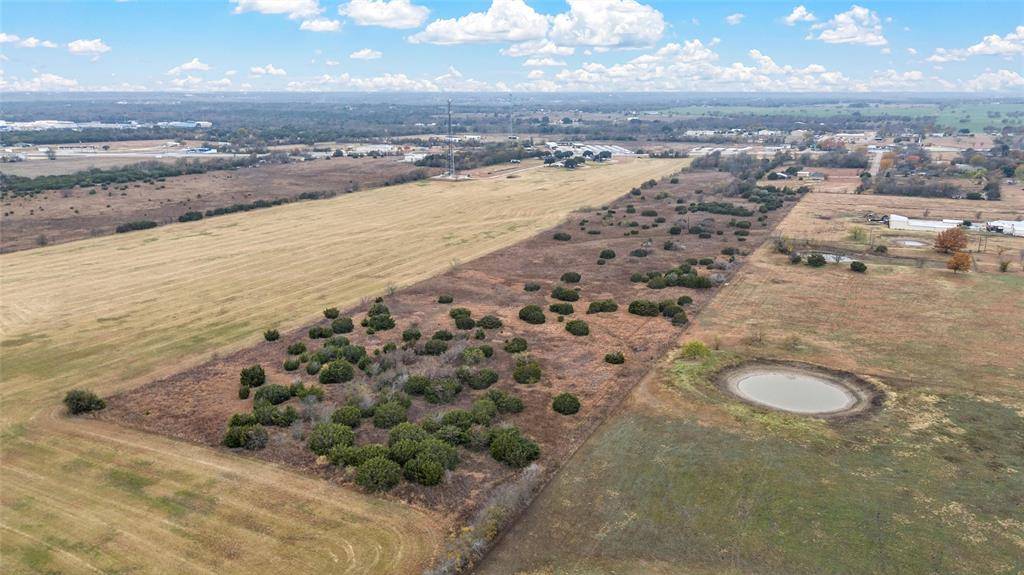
[[806, 391]]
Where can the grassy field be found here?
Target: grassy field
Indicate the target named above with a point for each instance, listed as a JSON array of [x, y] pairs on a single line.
[[112, 313], [688, 480], [973, 116]]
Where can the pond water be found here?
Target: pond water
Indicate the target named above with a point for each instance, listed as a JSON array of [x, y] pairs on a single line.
[[793, 390]]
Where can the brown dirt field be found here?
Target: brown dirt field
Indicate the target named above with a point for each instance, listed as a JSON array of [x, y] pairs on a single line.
[[68, 215], [194, 405]]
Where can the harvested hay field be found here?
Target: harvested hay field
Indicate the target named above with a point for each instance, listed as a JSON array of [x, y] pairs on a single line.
[[196, 404], [686, 478], [116, 312], [66, 215]]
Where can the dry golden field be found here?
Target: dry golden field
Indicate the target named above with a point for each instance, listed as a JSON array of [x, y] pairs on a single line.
[[112, 313]]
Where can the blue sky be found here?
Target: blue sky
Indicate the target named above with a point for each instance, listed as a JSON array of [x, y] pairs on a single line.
[[516, 45]]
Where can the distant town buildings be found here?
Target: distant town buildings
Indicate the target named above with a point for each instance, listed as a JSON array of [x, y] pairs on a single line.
[[39, 125]]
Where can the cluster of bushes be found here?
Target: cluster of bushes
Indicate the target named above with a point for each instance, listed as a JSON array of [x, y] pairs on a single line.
[[671, 309], [564, 294], [82, 401], [682, 276], [561, 308], [602, 306], [462, 317], [378, 318], [562, 236], [722, 208], [577, 327], [526, 371], [533, 314], [135, 226]]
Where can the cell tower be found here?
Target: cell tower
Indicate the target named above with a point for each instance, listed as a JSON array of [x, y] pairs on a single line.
[[511, 118], [451, 148]]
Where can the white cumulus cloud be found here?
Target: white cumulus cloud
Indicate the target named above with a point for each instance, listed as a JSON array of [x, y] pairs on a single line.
[[33, 42], [537, 48], [539, 62], [504, 21], [858, 25], [396, 14], [268, 70], [608, 24], [1008, 46], [365, 54], [193, 65], [998, 81], [799, 14], [294, 9], [93, 47], [320, 25], [734, 19]]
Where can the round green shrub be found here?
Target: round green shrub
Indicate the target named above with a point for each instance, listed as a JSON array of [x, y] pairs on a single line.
[[443, 335], [684, 300], [317, 332], [82, 401], [509, 446], [484, 411], [423, 470], [615, 358], [445, 298], [657, 283], [531, 287], [639, 253], [253, 376], [416, 384], [388, 414], [452, 435], [297, 348], [412, 334], [252, 437], [274, 393], [577, 327], [271, 335], [457, 312], [483, 379], [532, 314], [526, 371], [643, 307], [243, 392], [442, 390], [515, 345], [571, 277], [680, 318], [858, 267], [331, 313], [562, 236], [355, 456], [505, 402], [487, 350], [565, 294], [566, 404], [607, 254], [313, 367], [435, 347], [342, 325], [816, 260], [338, 371], [602, 306], [381, 322], [378, 474], [326, 436], [349, 415], [460, 418], [403, 450], [489, 322], [465, 323], [671, 310], [407, 431], [561, 308], [439, 451], [291, 364]]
